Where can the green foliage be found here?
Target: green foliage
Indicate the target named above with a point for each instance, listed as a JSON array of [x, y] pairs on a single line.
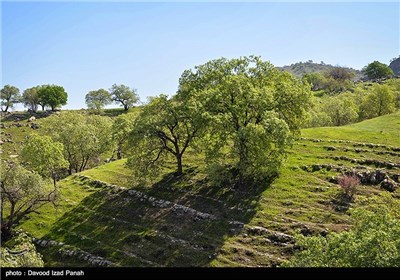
[[394, 84], [165, 127], [31, 99], [22, 192], [340, 109], [84, 137], [374, 241], [379, 102], [97, 99], [124, 95], [377, 70], [253, 108], [44, 156], [20, 252], [53, 96], [9, 95], [121, 128], [317, 80]]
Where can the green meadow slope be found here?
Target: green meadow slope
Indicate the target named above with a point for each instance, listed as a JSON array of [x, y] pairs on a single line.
[[102, 220]]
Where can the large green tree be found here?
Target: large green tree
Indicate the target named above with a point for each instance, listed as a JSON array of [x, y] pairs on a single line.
[[53, 96], [45, 156], [85, 137], [9, 95], [340, 109], [30, 98], [97, 99], [379, 102], [124, 95], [254, 109], [165, 127], [377, 70], [22, 192]]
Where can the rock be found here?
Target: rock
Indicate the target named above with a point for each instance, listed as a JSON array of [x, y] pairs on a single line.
[[3, 126], [34, 126], [330, 148], [389, 185], [18, 125], [1, 142], [31, 119]]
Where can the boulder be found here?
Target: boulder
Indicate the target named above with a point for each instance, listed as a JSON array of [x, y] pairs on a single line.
[[32, 119], [389, 185], [34, 126]]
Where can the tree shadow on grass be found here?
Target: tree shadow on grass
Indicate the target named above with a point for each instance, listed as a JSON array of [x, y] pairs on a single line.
[[179, 221]]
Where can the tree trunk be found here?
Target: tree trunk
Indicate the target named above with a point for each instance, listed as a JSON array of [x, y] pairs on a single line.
[[126, 107], [179, 163], [119, 152], [42, 107], [5, 232]]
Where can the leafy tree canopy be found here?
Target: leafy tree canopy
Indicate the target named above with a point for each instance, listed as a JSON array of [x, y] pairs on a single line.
[[124, 95], [254, 109], [9, 95], [377, 70], [98, 99], [53, 96]]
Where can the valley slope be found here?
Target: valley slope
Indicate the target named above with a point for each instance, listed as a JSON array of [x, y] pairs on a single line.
[[103, 220]]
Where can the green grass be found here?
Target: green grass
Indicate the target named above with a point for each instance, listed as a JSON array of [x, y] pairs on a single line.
[[382, 130], [128, 231]]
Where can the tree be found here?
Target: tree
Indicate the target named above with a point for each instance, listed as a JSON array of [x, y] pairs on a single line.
[[379, 102], [20, 252], [165, 127], [97, 99], [340, 74], [121, 128], [53, 96], [9, 95], [45, 156], [317, 80], [374, 241], [341, 110], [84, 137], [22, 192], [377, 70], [30, 98], [124, 95], [394, 84], [254, 108]]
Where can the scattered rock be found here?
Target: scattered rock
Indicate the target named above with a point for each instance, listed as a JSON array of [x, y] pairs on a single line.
[[389, 185], [34, 126]]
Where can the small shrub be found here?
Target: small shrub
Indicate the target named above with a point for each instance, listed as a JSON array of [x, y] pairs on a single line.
[[349, 184]]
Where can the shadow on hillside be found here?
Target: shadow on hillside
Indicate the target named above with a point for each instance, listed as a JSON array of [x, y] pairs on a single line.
[[177, 222]]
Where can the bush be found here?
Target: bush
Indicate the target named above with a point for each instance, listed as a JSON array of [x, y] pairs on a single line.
[[374, 241], [349, 185], [20, 252]]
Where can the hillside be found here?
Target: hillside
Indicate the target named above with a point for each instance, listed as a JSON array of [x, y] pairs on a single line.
[[103, 220], [299, 69], [395, 66]]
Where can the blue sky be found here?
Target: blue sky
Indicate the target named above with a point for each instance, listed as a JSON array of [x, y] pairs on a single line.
[[85, 46]]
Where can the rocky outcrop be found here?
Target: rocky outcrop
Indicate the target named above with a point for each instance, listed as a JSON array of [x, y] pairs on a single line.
[[66, 250], [274, 236], [395, 66]]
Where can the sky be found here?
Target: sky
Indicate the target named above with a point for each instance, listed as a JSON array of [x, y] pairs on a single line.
[[86, 46]]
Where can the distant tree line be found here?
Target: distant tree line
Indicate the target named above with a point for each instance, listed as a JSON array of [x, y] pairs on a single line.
[[51, 96], [338, 101]]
